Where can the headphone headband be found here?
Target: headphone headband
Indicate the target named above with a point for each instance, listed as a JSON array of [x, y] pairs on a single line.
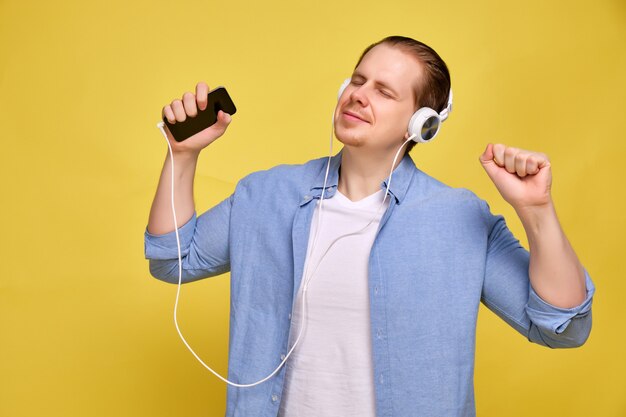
[[446, 112]]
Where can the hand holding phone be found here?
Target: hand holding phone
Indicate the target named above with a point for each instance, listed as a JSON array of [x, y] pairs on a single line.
[[198, 118]]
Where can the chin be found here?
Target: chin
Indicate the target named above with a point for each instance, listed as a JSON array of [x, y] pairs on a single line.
[[353, 141], [349, 137]]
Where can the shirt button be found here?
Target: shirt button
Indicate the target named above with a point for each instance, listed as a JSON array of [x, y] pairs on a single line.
[[306, 197], [274, 398], [376, 289], [379, 333], [289, 316], [282, 357]]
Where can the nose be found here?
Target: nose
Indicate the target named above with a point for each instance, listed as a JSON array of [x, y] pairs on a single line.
[[359, 95]]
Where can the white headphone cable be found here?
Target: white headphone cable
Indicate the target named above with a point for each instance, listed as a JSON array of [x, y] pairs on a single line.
[[306, 282], [160, 125], [307, 279]]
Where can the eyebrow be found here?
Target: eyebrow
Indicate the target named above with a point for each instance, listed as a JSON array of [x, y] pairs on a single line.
[[377, 83]]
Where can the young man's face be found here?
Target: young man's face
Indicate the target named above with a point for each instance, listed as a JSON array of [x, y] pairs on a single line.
[[373, 112]]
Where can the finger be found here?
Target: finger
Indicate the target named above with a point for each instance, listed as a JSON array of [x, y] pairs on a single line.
[[168, 114], [487, 155], [179, 110], [509, 159], [219, 127], [532, 165], [544, 161], [189, 101], [487, 161], [202, 91], [520, 164], [498, 154], [223, 119], [536, 162]]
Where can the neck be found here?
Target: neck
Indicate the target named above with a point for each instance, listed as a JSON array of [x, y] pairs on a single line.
[[361, 173]]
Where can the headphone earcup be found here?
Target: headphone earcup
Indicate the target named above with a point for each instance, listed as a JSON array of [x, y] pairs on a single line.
[[424, 124], [343, 87]]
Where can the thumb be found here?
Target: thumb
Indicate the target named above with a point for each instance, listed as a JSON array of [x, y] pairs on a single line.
[[488, 162], [223, 119]]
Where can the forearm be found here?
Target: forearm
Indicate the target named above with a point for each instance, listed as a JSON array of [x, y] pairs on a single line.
[[555, 272], [161, 219]]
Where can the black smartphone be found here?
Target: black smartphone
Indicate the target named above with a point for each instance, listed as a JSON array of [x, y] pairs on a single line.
[[218, 99]]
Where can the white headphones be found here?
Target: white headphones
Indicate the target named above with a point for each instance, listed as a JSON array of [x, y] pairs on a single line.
[[425, 122]]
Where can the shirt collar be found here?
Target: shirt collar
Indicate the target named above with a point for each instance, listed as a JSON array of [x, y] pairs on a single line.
[[400, 179]]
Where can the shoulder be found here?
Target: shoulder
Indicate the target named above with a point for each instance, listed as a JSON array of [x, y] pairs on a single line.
[[284, 177], [286, 172], [427, 191], [428, 187]]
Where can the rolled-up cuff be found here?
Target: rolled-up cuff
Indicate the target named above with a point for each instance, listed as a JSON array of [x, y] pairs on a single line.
[[164, 246], [547, 316]]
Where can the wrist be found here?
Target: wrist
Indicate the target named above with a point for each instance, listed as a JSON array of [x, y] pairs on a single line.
[[185, 156], [538, 219], [536, 211]]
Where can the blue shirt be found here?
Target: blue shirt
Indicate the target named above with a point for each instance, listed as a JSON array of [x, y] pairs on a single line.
[[438, 253]]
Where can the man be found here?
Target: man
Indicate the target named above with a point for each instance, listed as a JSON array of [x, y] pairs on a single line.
[[385, 320]]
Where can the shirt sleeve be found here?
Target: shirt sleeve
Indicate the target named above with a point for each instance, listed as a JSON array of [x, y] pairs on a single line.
[[507, 292], [204, 246]]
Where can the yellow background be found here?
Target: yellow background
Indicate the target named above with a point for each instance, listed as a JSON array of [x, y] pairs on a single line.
[[85, 330]]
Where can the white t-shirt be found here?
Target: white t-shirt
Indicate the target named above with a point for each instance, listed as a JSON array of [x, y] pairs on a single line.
[[330, 373]]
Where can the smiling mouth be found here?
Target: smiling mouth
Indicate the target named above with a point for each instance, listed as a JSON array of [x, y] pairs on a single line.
[[353, 117]]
